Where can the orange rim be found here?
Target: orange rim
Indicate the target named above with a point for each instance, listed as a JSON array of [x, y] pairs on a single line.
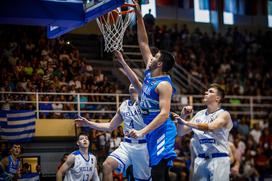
[[128, 11]]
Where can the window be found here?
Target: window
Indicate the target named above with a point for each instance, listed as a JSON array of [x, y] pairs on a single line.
[[269, 6], [151, 5], [201, 10], [229, 6], [31, 161]]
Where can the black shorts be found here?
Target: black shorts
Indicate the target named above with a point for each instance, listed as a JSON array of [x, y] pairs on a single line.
[[160, 172]]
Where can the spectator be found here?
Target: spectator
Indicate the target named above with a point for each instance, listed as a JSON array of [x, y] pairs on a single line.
[[63, 159], [56, 106], [243, 128], [149, 21], [45, 106], [256, 132], [26, 168]]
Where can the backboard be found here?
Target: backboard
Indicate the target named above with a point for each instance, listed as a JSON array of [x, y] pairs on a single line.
[[92, 9], [58, 16]]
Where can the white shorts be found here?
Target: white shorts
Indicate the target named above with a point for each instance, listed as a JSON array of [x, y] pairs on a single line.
[[136, 155], [213, 169]]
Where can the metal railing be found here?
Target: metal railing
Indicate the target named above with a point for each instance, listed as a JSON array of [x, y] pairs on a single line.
[[186, 80], [103, 104]]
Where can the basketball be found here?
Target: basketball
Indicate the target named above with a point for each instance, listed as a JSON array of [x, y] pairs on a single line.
[[109, 18]]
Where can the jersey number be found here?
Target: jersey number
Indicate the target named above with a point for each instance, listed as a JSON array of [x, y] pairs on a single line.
[[86, 177]]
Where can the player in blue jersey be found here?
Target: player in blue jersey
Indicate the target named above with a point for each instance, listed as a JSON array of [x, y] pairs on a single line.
[[81, 164], [211, 127], [131, 151], [10, 165], [156, 93]]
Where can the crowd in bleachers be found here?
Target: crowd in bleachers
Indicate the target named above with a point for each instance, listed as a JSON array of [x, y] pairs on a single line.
[[238, 60], [32, 63]]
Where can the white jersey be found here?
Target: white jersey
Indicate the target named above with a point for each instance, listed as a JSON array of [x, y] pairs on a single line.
[[209, 142], [82, 170], [129, 150], [132, 116]]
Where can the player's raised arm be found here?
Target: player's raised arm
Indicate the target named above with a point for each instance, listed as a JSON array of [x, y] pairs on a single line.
[[65, 166], [223, 120], [129, 72], [142, 36], [113, 124]]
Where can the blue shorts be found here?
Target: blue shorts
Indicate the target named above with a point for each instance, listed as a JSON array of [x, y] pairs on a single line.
[[161, 143]]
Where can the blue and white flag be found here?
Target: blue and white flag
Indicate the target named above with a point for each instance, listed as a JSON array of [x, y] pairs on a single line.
[[3, 120], [29, 177], [17, 126]]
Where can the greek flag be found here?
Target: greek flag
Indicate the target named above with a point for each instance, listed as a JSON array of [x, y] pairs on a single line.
[[17, 126]]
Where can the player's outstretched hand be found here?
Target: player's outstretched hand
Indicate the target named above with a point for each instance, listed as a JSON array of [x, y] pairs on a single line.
[[187, 110], [137, 7], [181, 121], [177, 119], [81, 121], [174, 116], [135, 133], [234, 170]]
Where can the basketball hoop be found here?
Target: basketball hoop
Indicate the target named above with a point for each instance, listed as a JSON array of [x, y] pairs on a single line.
[[113, 26]]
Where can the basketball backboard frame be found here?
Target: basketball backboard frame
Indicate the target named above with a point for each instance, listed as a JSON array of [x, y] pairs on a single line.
[[91, 12]]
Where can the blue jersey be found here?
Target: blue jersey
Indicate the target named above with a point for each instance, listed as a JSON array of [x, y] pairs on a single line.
[[160, 142], [11, 169]]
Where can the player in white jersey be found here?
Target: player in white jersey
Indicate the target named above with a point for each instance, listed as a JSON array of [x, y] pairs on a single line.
[[131, 151], [211, 128], [81, 164]]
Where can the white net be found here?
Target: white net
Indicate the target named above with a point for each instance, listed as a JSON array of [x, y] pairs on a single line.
[[113, 26]]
